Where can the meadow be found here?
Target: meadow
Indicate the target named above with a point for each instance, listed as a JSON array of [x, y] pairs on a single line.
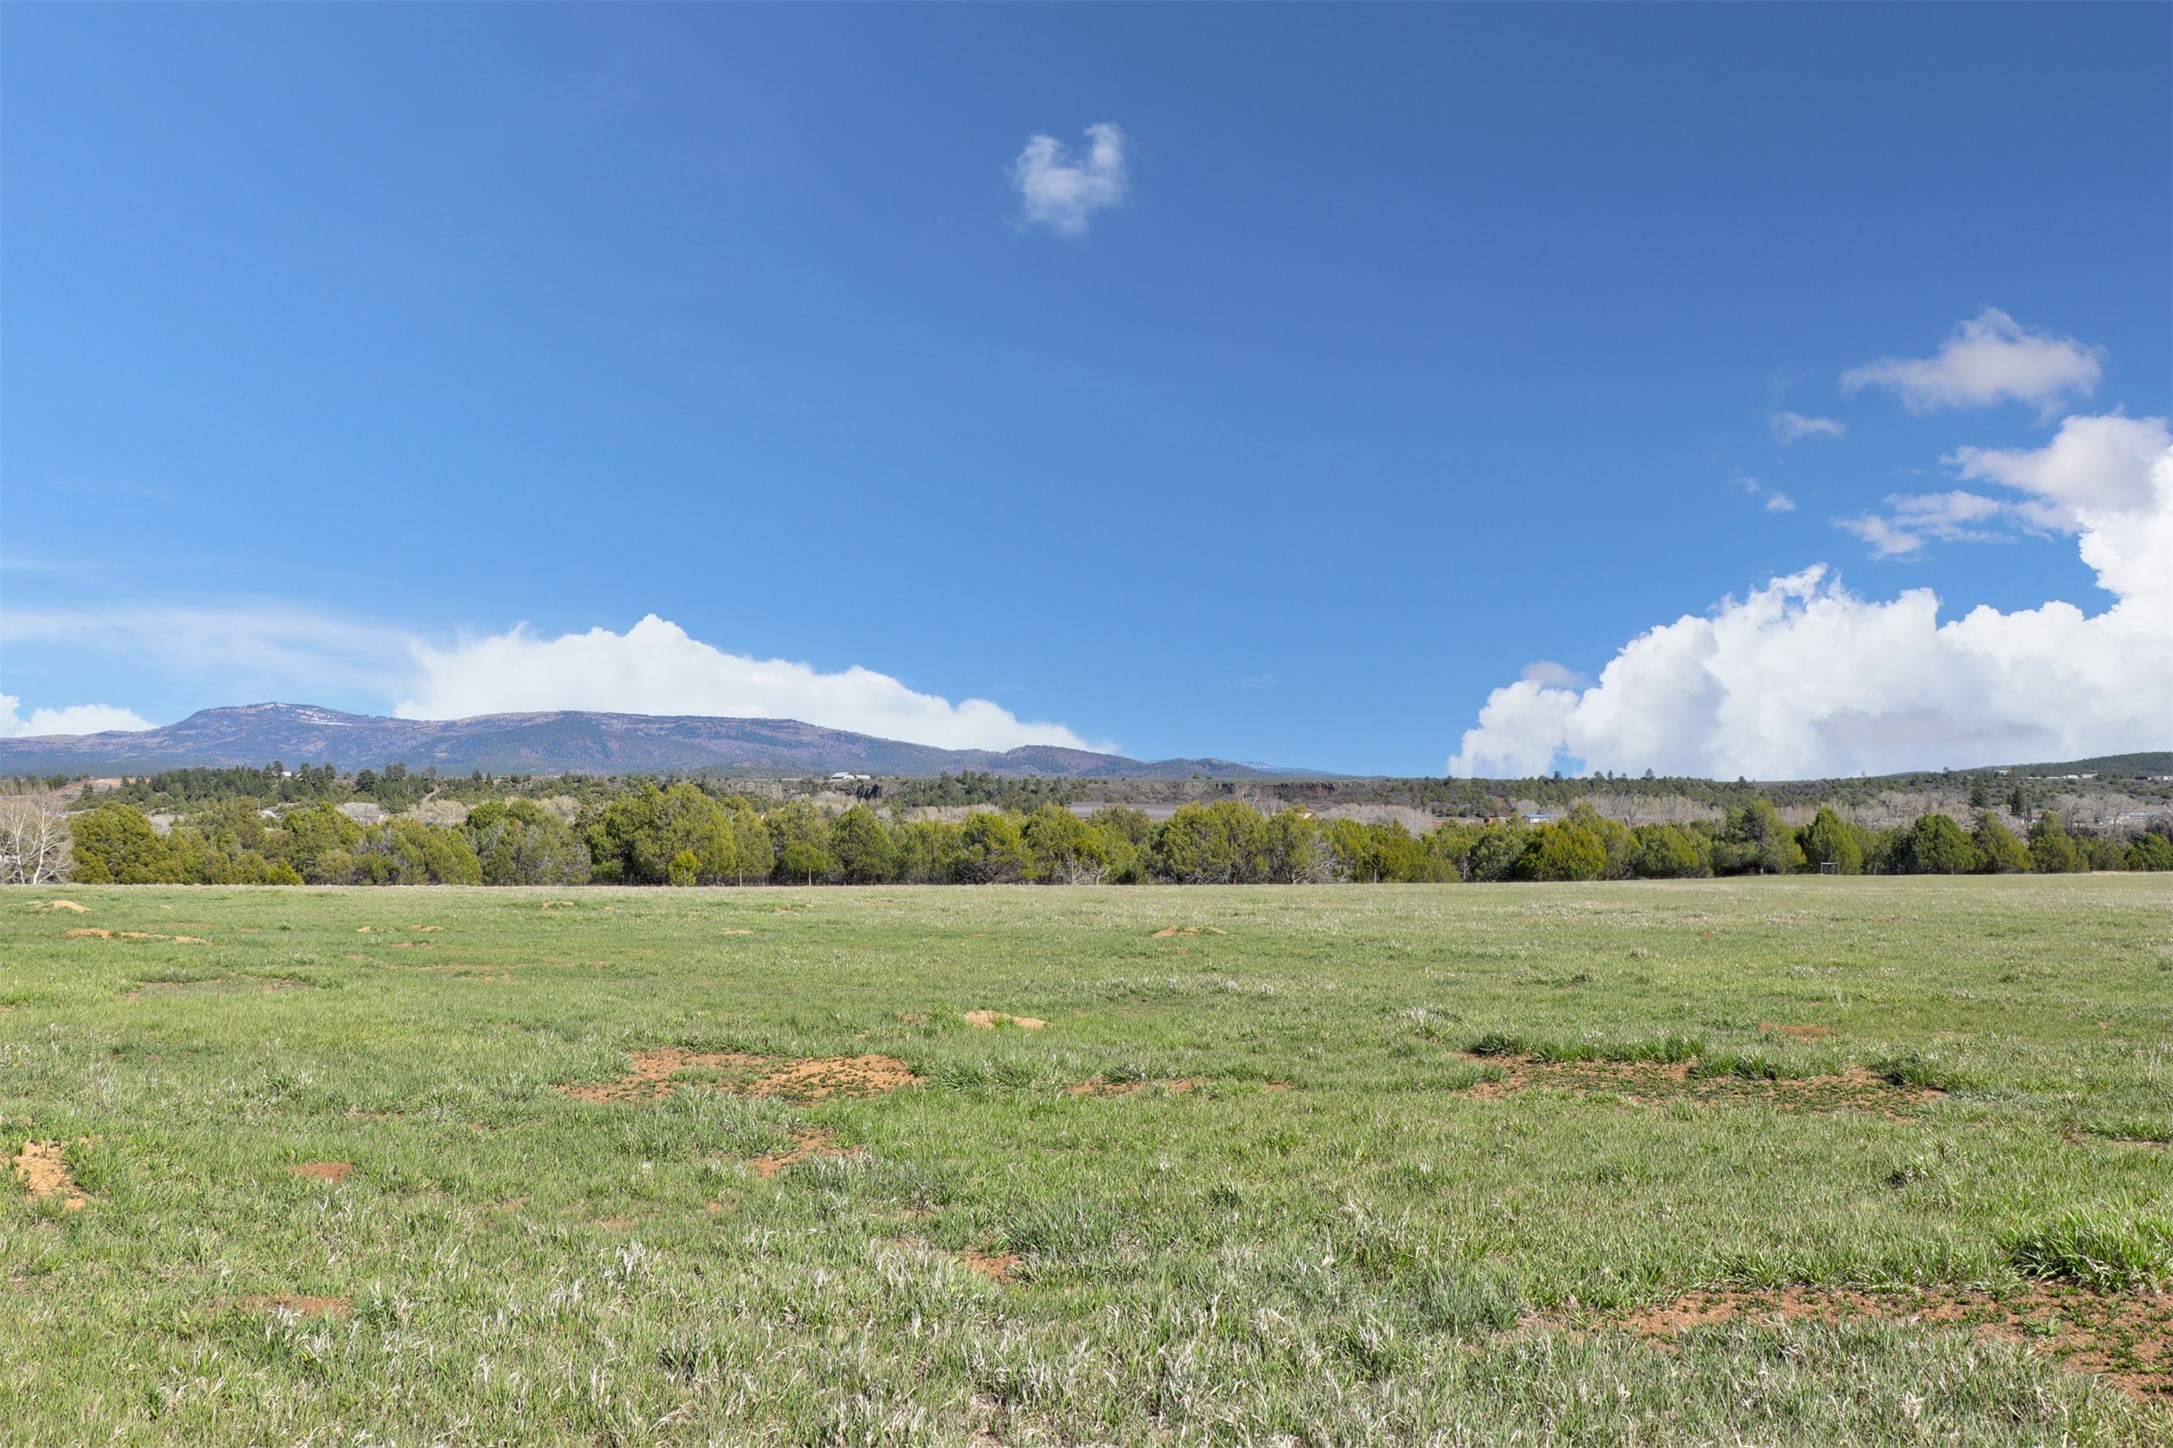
[[1776, 1161]]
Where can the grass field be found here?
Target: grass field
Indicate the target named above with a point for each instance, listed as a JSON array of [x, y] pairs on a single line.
[[1336, 1165]]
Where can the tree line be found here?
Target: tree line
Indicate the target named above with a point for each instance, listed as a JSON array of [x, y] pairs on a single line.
[[684, 834]]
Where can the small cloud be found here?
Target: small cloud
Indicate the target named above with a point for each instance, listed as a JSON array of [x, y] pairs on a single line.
[[1887, 539], [1548, 674], [1061, 189], [1950, 517], [1776, 501], [74, 719], [1989, 359], [1795, 426]]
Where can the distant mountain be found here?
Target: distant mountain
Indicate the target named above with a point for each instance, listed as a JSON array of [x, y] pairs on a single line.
[[2152, 765], [557, 743]]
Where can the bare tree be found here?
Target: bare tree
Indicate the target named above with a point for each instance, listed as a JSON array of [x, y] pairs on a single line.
[[33, 841]]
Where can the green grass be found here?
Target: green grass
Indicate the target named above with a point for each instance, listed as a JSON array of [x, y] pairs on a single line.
[[1323, 1235]]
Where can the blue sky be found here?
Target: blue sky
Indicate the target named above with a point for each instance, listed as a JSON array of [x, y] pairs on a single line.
[[1387, 356]]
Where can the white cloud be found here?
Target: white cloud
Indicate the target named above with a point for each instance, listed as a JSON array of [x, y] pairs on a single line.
[[655, 667], [1776, 501], [1887, 538], [272, 651], [1990, 359], [1060, 189], [74, 719], [1804, 678], [2094, 476], [1951, 517], [1794, 426]]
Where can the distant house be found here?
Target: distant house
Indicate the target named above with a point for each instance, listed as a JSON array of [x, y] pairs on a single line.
[[1539, 819]]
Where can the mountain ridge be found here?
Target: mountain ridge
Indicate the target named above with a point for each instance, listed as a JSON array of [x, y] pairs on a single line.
[[559, 742]]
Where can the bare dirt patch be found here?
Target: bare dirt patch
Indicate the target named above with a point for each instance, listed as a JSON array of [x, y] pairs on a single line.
[[2126, 1338], [42, 1167], [334, 1172], [1176, 930], [735, 932], [424, 929], [293, 1302], [1659, 1083], [93, 932], [1795, 1033], [223, 985], [996, 1267], [806, 1145], [1099, 1087], [68, 905], [657, 1073], [990, 1020]]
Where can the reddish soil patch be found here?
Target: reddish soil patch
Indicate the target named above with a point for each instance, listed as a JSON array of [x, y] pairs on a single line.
[[295, 1303], [989, 1020], [996, 1267], [1795, 1033], [68, 905], [325, 1171], [223, 985], [1187, 930], [659, 1072], [1656, 1083], [2125, 1338], [1099, 1087], [806, 1145], [42, 1167]]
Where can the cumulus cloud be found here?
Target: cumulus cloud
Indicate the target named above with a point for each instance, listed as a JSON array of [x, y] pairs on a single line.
[[1989, 359], [1794, 426], [74, 719], [1803, 677], [656, 667], [1060, 189]]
